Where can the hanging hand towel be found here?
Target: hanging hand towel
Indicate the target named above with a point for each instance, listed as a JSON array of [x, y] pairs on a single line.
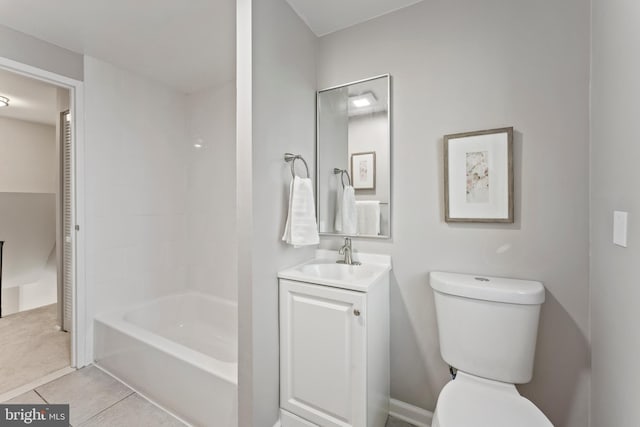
[[368, 217], [338, 222], [301, 228], [349, 213]]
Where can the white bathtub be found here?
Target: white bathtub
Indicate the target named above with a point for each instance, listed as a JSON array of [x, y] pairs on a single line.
[[180, 351]]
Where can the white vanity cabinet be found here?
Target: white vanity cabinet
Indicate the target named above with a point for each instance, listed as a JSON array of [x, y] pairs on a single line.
[[334, 354]]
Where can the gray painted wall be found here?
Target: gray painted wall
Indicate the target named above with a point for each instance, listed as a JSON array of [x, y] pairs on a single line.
[[29, 50], [615, 108], [28, 161], [463, 65], [283, 110]]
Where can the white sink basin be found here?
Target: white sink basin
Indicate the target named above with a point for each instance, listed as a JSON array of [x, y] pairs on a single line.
[[328, 272], [332, 270]]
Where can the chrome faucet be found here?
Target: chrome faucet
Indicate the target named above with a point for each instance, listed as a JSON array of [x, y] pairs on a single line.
[[346, 251]]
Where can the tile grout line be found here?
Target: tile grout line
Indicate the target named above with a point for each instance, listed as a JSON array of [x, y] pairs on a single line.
[[41, 396], [143, 396], [108, 407], [130, 392], [37, 383]]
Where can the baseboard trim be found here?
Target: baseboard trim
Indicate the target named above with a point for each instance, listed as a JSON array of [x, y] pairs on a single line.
[[403, 411], [412, 414]]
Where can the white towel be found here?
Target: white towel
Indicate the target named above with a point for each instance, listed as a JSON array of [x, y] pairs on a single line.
[[349, 213], [368, 217], [337, 225], [301, 228]]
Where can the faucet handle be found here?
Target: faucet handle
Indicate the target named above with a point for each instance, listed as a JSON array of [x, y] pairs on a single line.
[[345, 249]]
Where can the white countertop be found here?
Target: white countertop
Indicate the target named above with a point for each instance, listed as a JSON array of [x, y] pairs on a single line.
[[323, 270]]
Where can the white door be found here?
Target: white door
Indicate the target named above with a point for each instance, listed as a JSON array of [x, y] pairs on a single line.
[[322, 353]]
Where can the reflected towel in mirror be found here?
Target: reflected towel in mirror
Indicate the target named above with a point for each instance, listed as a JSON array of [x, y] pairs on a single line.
[[338, 221], [349, 212], [368, 217]]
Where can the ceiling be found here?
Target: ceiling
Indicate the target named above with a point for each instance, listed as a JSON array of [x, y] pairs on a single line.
[[188, 45], [29, 99], [327, 16]]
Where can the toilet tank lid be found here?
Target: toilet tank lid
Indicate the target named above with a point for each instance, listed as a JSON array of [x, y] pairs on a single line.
[[497, 289]]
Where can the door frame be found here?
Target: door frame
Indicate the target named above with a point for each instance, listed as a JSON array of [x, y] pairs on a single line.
[[79, 346]]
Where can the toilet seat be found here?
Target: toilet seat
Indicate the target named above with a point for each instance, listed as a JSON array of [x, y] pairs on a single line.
[[470, 401]]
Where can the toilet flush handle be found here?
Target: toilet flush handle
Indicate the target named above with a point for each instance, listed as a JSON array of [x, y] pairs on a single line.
[[453, 371]]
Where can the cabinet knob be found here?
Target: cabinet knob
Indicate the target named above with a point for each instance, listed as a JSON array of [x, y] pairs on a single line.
[[356, 312]]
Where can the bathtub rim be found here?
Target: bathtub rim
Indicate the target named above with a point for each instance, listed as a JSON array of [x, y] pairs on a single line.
[[228, 371]]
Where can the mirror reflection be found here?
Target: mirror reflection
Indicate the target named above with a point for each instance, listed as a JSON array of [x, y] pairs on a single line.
[[353, 171]]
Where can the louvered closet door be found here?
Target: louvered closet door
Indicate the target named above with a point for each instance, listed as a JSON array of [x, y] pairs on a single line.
[[67, 222]]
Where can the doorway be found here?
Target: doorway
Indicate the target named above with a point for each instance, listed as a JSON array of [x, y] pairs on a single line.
[[41, 320]]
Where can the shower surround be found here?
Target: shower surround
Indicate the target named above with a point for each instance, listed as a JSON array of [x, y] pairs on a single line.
[[160, 218]]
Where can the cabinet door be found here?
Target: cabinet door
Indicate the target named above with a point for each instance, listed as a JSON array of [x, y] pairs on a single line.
[[322, 353]]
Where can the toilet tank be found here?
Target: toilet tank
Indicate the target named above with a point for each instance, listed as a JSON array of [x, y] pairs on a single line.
[[488, 325]]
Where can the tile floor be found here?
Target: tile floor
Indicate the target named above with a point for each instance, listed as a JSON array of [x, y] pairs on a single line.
[[32, 347], [97, 399]]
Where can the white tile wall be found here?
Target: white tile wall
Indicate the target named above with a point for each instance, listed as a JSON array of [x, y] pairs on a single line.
[[160, 215], [211, 196], [135, 188]]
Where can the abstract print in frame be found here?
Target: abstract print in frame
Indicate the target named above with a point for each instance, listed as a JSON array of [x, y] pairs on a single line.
[[363, 170], [478, 176]]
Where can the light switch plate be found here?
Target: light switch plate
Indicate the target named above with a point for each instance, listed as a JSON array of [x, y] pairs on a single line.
[[620, 228]]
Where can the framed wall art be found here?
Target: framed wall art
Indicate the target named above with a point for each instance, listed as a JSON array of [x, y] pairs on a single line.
[[478, 176], [363, 170]]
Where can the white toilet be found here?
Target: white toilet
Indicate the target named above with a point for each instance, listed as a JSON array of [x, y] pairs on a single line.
[[487, 328]]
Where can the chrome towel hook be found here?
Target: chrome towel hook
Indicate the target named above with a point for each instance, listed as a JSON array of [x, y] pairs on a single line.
[[289, 157], [342, 173]]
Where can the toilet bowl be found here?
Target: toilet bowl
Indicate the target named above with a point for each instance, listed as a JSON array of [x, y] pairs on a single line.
[[470, 401], [487, 328]]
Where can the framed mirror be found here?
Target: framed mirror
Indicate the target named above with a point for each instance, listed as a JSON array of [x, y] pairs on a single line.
[[353, 171]]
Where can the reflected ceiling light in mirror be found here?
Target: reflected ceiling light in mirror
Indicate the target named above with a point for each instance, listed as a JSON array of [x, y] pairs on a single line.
[[4, 101], [366, 99], [361, 102], [198, 144]]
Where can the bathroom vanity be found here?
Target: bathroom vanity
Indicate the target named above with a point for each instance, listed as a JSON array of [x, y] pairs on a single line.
[[334, 342]]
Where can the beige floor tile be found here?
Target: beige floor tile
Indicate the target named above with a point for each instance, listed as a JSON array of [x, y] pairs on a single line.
[[28, 398], [134, 411], [31, 347], [88, 391]]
